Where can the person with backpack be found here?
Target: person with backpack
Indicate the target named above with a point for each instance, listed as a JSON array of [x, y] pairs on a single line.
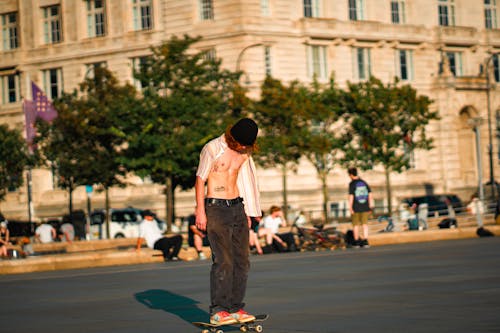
[[360, 204]]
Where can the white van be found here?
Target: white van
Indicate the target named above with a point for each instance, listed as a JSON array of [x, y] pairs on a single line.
[[123, 223]]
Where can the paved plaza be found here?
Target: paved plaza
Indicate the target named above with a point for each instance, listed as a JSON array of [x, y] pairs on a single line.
[[448, 286]]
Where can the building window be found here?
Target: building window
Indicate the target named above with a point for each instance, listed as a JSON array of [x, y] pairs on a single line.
[[143, 14], [404, 64], [90, 68], [398, 11], [10, 88], [446, 12], [210, 54], [496, 67], [362, 63], [317, 61], [265, 8], [96, 18], [356, 10], [138, 66], [455, 63], [490, 14], [10, 39], [267, 60], [53, 82], [52, 27], [311, 8], [206, 10]]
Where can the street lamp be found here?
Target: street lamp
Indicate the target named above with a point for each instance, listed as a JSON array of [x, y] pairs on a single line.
[[490, 143], [240, 56]]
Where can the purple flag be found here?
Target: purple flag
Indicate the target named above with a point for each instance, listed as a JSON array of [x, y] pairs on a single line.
[[43, 107], [30, 115]]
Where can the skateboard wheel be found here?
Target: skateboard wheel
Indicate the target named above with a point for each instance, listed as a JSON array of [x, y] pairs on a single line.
[[243, 328], [219, 331], [259, 328]]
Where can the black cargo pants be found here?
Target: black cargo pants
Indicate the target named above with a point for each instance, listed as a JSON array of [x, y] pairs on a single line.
[[227, 230]]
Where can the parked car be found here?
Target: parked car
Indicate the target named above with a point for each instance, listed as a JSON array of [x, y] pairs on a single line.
[[123, 223], [437, 203]]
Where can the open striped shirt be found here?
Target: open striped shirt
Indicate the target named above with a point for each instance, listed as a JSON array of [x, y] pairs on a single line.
[[247, 178]]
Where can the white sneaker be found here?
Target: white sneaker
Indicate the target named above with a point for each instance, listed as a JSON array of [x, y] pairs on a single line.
[[202, 256]]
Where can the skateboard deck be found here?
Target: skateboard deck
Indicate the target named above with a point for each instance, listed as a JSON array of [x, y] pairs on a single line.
[[254, 325]]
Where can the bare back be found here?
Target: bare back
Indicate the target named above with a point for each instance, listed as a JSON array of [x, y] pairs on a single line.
[[221, 182]]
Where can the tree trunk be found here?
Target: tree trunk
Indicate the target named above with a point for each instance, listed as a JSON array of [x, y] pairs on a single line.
[[284, 189], [388, 191], [169, 203], [70, 203], [324, 189], [106, 212]]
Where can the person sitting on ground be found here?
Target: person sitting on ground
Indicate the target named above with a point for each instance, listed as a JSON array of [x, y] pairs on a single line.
[[4, 239], [273, 222], [67, 232], [197, 238], [45, 233], [269, 233], [148, 229], [254, 237], [300, 220]]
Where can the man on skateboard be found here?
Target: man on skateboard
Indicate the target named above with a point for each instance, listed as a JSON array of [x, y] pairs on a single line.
[[231, 198]]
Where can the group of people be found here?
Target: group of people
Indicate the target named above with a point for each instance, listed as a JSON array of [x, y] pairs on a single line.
[[46, 233], [267, 228]]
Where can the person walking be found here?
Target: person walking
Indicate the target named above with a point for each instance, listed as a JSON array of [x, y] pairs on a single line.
[[224, 210], [360, 204], [148, 229]]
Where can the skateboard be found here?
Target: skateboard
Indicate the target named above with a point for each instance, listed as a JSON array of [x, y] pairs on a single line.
[[254, 325]]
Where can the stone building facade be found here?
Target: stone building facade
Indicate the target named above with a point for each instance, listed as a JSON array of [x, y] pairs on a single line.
[[446, 49]]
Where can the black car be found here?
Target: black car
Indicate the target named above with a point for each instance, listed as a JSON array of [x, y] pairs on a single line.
[[437, 203]]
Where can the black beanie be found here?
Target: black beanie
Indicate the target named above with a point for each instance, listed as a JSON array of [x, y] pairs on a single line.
[[245, 131]]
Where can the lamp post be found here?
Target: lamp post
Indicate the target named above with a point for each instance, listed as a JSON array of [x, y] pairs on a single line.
[[490, 135], [240, 56]]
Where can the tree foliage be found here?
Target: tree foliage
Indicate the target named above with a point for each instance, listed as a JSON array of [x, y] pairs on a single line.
[[83, 144], [280, 115], [13, 159], [187, 100], [328, 133], [388, 122]]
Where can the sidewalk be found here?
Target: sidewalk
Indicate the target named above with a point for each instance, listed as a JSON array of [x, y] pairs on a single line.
[[98, 253]]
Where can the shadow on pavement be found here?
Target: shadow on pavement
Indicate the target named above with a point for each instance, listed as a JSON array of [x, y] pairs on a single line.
[[181, 306]]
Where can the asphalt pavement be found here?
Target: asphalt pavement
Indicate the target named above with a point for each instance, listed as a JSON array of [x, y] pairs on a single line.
[[447, 286]]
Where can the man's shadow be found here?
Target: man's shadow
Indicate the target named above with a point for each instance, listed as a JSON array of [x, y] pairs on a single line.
[[184, 307]]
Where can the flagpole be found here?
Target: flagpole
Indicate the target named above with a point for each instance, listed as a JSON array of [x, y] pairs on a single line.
[[29, 175], [30, 200]]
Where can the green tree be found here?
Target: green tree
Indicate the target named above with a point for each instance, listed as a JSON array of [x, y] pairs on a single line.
[[389, 123], [84, 143], [279, 113], [14, 159], [327, 134], [187, 100]]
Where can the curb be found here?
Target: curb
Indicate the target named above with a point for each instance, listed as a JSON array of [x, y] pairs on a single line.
[[115, 257]]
